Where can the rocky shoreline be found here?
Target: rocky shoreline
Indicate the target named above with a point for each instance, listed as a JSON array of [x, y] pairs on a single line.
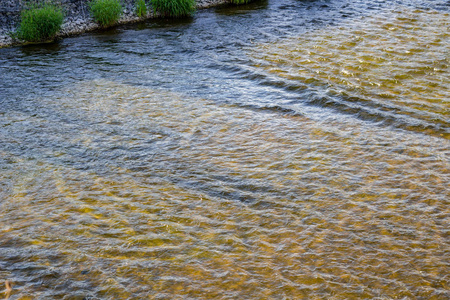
[[77, 17]]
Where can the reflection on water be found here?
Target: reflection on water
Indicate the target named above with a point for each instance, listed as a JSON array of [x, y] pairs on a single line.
[[165, 196], [249, 153], [392, 67]]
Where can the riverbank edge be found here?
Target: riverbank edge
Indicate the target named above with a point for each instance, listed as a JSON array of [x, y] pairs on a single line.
[[82, 23]]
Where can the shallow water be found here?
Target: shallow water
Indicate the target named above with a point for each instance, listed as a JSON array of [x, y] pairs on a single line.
[[282, 150], [391, 67]]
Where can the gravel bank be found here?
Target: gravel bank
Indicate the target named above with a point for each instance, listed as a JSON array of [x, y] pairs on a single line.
[[77, 18]]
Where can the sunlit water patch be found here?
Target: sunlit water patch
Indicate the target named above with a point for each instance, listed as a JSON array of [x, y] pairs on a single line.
[[124, 192], [391, 68]]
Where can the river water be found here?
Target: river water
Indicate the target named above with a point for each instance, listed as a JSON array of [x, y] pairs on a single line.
[[281, 150]]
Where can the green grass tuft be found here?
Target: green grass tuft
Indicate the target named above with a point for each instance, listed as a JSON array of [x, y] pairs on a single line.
[[174, 8], [106, 12], [40, 22], [141, 8], [240, 2]]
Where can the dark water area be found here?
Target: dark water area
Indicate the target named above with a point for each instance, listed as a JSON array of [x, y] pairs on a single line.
[[283, 149]]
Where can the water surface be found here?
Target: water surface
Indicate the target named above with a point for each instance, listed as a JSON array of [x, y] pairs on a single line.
[[281, 150]]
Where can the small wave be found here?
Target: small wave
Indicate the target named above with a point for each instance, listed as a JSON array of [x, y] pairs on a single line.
[[390, 68]]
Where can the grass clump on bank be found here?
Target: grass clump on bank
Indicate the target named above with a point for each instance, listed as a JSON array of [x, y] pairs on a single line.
[[240, 2], [40, 22], [106, 12], [141, 8], [174, 8]]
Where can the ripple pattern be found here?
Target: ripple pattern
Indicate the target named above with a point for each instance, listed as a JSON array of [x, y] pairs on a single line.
[[391, 68], [124, 192]]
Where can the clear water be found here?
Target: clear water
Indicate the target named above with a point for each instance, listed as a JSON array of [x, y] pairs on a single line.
[[281, 150]]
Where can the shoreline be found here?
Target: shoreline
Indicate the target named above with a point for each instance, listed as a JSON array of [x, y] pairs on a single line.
[[77, 18]]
